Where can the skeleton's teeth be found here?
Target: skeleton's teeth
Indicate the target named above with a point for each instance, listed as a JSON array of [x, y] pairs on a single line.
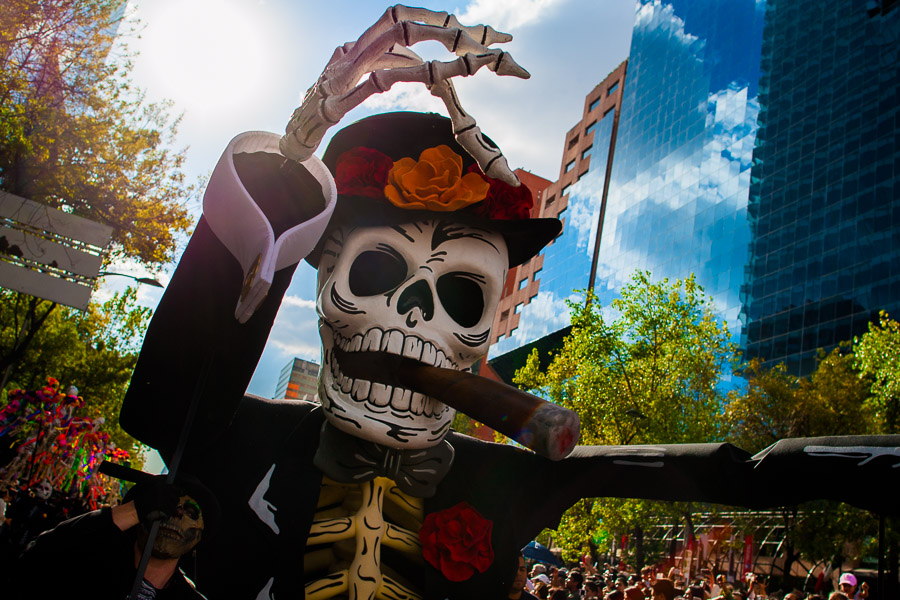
[[380, 395], [400, 399], [346, 384], [429, 354], [416, 402], [441, 359], [393, 342], [372, 341], [356, 343], [361, 390], [428, 407], [412, 348]]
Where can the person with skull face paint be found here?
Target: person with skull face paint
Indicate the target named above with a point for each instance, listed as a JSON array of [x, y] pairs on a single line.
[[102, 548]]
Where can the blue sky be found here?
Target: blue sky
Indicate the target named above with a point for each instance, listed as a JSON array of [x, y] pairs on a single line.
[[231, 66]]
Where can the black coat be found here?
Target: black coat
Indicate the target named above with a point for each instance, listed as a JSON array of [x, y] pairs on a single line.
[[195, 348]]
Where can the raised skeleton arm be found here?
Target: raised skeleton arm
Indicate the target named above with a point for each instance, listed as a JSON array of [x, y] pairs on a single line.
[[382, 52]]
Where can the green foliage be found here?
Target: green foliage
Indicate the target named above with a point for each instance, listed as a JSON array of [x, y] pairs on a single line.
[[648, 376], [877, 355], [776, 405], [94, 350], [75, 134]]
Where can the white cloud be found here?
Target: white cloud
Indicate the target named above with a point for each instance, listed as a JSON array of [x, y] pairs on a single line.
[[506, 15], [406, 96], [298, 302], [298, 349]]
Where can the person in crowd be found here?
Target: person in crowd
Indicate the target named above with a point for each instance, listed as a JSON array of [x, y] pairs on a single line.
[[849, 585], [101, 550], [573, 585], [558, 580], [591, 590], [560, 594], [517, 589], [635, 589], [663, 589], [542, 588], [718, 586], [838, 596]]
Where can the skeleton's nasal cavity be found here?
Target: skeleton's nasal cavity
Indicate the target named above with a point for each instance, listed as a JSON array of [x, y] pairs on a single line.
[[417, 295]]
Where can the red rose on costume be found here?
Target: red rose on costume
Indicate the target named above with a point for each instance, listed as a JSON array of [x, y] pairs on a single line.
[[503, 201], [457, 542], [362, 172]]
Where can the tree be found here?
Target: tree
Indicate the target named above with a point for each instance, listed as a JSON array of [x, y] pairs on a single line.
[[877, 356], [650, 374], [833, 400], [94, 350], [76, 135]]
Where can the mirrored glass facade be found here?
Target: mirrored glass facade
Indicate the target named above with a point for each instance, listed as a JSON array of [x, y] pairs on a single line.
[[825, 197], [567, 261], [681, 176]]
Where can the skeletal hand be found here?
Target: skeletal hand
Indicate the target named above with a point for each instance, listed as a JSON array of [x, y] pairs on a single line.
[[382, 52]]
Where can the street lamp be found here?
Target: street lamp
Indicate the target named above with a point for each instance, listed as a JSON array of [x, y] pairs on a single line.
[[148, 280]]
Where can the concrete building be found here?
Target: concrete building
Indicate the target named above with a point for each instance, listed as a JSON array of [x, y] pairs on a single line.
[[298, 381]]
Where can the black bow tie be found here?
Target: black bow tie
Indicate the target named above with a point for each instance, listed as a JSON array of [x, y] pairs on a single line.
[[348, 459]]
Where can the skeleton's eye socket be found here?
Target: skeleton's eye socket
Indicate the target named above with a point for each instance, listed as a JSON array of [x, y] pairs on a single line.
[[461, 297], [376, 272]]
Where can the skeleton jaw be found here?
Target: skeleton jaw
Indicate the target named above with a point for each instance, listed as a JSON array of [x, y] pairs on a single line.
[[393, 415]]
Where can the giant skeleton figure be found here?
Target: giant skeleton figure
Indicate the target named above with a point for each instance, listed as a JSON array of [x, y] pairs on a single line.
[[370, 495]]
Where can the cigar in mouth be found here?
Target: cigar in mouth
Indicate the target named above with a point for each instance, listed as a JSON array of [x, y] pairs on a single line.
[[546, 428]]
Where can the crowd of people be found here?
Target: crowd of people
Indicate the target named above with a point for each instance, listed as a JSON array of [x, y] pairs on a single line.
[[546, 582]]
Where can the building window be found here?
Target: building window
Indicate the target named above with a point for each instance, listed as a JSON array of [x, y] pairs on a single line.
[[499, 338], [581, 175], [519, 307], [523, 283], [565, 190], [561, 213], [570, 166], [573, 142], [609, 112], [612, 89], [550, 200], [534, 276], [590, 128], [504, 315], [586, 152], [512, 331], [594, 105]]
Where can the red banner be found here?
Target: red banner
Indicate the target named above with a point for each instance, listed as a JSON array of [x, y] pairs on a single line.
[[748, 555]]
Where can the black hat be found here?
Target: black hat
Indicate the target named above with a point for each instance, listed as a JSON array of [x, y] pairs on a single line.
[[406, 135]]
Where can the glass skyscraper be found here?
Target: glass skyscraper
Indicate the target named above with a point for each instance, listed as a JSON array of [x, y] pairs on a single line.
[[825, 194], [681, 176], [758, 147]]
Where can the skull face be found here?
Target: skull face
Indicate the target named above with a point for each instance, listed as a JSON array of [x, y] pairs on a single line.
[[179, 533], [425, 290], [43, 490]]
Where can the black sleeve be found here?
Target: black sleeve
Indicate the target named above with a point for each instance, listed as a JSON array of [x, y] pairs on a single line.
[[194, 344]]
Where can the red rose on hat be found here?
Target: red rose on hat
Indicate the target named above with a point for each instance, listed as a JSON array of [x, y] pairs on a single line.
[[503, 201], [457, 542], [362, 172]]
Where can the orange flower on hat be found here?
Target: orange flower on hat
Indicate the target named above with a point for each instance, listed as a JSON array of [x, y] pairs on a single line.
[[434, 182]]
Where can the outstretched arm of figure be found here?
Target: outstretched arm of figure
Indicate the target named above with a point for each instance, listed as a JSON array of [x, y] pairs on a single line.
[[262, 215], [724, 474]]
